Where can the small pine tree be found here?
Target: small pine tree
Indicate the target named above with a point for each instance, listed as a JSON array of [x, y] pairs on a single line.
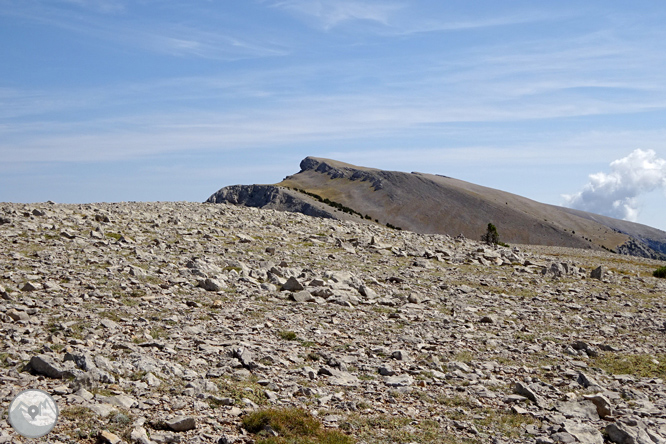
[[491, 237], [659, 272]]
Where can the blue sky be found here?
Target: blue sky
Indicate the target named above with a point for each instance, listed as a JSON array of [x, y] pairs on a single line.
[[119, 100]]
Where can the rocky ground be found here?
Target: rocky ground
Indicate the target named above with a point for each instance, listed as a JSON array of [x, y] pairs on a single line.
[[169, 322]]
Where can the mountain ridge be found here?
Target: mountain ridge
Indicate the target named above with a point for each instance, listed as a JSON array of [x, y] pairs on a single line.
[[438, 204]]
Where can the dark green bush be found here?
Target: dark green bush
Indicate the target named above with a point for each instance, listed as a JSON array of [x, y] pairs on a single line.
[[659, 272], [491, 237]]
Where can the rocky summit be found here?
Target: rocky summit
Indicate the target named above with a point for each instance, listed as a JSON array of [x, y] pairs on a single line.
[[174, 322]]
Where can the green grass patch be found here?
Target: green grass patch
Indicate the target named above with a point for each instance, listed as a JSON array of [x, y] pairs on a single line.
[[292, 426], [4, 360], [84, 425], [644, 366], [506, 422], [287, 335], [129, 302], [237, 390], [464, 356], [400, 429], [159, 332]]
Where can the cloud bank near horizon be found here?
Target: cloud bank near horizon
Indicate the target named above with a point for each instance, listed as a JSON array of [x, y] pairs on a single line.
[[617, 193]]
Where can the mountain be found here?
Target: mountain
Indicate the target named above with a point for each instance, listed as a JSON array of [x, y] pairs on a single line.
[[435, 204]]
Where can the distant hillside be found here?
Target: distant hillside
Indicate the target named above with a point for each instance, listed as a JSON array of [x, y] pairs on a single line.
[[427, 203]]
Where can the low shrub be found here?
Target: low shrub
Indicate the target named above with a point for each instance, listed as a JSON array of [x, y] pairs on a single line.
[[659, 272]]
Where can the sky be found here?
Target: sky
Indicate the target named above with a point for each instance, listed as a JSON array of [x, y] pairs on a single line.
[[162, 100]]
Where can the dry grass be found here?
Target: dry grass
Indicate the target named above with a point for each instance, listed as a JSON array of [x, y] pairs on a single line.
[[290, 426]]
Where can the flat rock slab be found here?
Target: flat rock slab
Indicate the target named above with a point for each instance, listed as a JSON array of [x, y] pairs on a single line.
[[103, 409], [123, 401], [584, 433], [398, 381], [182, 423], [578, 409]]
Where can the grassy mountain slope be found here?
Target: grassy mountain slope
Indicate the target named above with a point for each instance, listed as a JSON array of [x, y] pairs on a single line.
[[434, 204], [427, 203]]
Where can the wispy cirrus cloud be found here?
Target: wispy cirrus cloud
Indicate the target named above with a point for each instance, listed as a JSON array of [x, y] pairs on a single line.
[[104, 6], [330, 13], [399, 18], [185, 41], [175, 38]]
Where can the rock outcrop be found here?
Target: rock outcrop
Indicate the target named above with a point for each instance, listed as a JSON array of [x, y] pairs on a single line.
[[275, 198]]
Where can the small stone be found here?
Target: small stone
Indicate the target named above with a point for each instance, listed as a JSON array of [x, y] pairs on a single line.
[[108, 438], [222, 401], [603, 405], [152, 380], [122, 401], [182, 423], [31, 286], [578, 409], [584, 433], [164, 437], [399, 381], [527, 392], [414, 298], [367, 292], [18, 315], [211, 284], [303, 296], [139, 435], [385, 370], [85, 394], [235, 411], [339, 377], [598, 273], [563, 437], [46, 365], [103, 409], [519, 410], [621, 433], [293, 285], [587, 381]]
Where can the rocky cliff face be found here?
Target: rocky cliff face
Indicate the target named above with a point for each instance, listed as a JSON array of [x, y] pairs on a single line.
[[634, 247], [270, 197]]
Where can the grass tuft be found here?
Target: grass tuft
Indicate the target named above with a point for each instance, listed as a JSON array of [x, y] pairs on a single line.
[[290, 426], [643, 366], [287, 335]]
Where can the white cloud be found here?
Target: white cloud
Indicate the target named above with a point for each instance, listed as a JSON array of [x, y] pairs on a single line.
[[617, 193]]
